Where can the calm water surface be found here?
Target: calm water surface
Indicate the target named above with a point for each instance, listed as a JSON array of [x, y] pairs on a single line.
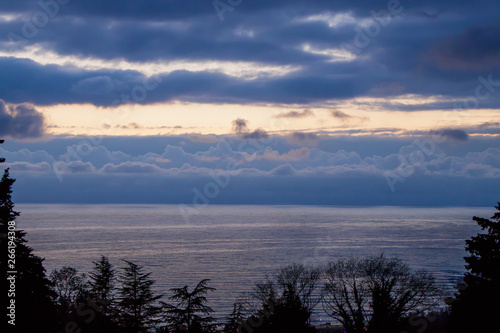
[[235, 246]]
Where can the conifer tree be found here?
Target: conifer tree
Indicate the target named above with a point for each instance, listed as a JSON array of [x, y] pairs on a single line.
[[102, 284], [136, 299], [102, 296], [31, 290], [236, 319], [190, 314], [476, 306]]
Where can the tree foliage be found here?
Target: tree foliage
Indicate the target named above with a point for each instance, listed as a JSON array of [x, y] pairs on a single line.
[[102, 284], [476, 306], [284, 301], [137, 302], [376, 293], [235, 319], [190, 314], [102, 298], [70, 287], [346, 293], [32, 287]]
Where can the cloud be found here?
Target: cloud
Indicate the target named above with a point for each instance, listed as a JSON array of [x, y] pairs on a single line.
[[97, 85], [72, 167], [97, 155], [283, 170], [292, 155], [258, 134], [130, 126], [43, 167], [339, 114], [21, 121], [204, 138], [240, 126], [295, 114], [477, 48], [303, 139], [455, 134], [262, 159], [131, 167], [402, 59], [277, 172]]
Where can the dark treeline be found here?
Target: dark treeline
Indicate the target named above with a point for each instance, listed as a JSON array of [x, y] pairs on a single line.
[[374, 294], [378, 293]]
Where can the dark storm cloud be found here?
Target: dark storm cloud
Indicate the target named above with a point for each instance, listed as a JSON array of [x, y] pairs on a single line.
[[478, 47], [429, 48], [177, 9], [24, 80], [20, 121]]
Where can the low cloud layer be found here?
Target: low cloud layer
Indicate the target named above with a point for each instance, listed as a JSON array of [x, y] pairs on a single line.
[[272, 170]]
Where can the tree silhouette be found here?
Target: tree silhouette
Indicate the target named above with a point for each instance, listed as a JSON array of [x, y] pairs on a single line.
[[72, 298], [235, 320], [102, 284], [346, 294], [476, 306], [190, 314], [376, 293], [70, 287], [102, 297], [396, 292], [285, 301], [33, 295], [137, 301]]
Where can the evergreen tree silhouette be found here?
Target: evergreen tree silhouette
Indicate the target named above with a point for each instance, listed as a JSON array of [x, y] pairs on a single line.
[[190, 314], [235, 320], [34, 310], [102, 285], [137, 306], [102, 296], [476, 307]]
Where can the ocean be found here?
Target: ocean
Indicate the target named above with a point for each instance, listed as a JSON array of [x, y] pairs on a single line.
[[236, 246]]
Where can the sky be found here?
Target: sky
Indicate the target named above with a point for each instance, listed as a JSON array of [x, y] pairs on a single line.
[[251, 102]]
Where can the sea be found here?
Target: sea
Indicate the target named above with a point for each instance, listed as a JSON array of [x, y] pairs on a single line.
[[235, 246]]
